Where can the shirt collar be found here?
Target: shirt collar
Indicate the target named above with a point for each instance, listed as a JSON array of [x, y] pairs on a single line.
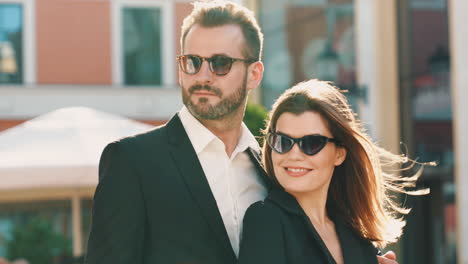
[[200, 136], [247, 140]]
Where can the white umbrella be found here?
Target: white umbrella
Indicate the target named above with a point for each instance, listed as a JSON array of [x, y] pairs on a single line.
[[60, 148], [56, 156]]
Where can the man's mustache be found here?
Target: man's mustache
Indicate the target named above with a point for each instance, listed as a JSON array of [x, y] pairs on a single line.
[[207, 88]]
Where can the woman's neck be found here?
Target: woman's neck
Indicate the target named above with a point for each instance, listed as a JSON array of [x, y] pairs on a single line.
[[314, 205]]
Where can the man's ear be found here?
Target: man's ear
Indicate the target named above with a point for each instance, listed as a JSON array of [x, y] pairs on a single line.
[[255, 75]]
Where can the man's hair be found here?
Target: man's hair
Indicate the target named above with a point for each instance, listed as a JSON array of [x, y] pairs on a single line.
[[217, 13]]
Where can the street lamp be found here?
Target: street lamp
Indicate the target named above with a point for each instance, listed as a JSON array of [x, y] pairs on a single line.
[[327, 63]]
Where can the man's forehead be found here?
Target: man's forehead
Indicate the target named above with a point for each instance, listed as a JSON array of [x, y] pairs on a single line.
[[208, 41]]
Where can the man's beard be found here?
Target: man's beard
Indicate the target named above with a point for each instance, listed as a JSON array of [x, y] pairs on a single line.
[[203, 110]]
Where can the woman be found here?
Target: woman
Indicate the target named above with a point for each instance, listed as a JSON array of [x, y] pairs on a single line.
[[330, 202]]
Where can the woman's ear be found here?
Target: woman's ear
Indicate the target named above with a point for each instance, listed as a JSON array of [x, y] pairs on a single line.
[[340, 155]]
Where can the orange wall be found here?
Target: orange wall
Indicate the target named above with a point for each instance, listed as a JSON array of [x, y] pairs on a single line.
[[73, 42], [181, 11], [5, 124], [153, 122]]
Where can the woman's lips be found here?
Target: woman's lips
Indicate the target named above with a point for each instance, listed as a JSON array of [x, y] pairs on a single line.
[[296, 171]]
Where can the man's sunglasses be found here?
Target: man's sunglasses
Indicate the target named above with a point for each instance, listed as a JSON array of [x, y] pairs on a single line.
[[218, 64], [309, 145]]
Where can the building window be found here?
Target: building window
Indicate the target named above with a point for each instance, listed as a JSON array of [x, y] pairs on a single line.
[[308, 39], [144, 43], [17, 42], [19, 215], [141, 38], [11, 42]]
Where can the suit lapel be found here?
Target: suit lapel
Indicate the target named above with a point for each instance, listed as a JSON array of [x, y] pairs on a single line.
[[191, 171], [255, 158]]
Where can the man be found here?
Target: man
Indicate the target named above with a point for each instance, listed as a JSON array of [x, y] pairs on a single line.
[[177, 194]]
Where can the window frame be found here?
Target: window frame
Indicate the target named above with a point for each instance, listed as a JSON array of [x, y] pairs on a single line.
[[167, 37], [29, 40]]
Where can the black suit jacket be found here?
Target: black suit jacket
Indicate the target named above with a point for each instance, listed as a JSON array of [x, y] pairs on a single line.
[[277, 231], [153, 204]]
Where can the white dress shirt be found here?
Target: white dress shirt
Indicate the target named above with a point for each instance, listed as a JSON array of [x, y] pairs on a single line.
[[233, 180]]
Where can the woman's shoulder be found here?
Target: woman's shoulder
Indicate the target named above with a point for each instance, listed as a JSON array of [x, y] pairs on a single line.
[[262, 239], [262, 210], [264, 206]]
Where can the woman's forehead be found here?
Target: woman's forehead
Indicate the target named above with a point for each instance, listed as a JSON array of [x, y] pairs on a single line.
[[306, 123]]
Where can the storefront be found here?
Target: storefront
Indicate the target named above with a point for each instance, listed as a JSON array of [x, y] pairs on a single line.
[[426, 118]]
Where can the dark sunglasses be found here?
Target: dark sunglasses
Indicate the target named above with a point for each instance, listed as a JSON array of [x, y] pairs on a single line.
[[309, 145], [218, 64]]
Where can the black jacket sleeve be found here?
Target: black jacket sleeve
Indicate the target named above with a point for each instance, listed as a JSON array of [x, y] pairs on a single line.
[[262, 236], [118, 216]]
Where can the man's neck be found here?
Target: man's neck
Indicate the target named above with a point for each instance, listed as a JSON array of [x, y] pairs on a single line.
[[228, 129]]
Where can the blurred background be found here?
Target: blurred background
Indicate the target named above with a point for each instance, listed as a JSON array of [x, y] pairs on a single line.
[[77, 74]]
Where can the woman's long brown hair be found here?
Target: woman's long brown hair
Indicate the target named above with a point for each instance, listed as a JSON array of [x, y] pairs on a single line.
[[360, 188]]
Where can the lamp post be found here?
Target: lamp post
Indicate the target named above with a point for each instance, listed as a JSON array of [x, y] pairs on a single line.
[[327, 63], [327, 60]]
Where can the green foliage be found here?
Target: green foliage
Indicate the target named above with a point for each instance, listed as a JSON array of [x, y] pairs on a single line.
[[37, 242], [254, 119]]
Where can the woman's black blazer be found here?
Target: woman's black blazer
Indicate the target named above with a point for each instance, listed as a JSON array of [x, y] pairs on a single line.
[[277, 231]]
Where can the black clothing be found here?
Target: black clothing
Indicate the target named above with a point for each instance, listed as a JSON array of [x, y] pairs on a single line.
[[277, 231], [154, 205]]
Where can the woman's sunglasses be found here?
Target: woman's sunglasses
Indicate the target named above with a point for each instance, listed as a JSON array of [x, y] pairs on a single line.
[[218, 64], [309, 145]]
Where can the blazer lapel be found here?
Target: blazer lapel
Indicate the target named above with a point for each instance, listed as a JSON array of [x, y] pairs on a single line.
[[184, 155], [350, 245]]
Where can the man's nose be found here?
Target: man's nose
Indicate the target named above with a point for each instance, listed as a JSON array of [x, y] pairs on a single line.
[[205, 75]]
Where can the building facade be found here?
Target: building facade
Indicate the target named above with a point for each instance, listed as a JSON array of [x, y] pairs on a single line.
[[116, 56]]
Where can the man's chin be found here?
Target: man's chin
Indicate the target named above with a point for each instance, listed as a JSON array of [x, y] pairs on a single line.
[[202, 107], [200, 110], [202, 101]]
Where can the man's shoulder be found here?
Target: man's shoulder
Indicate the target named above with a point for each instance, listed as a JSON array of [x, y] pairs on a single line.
[[152, 134], [157, 135], [143, 141]]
